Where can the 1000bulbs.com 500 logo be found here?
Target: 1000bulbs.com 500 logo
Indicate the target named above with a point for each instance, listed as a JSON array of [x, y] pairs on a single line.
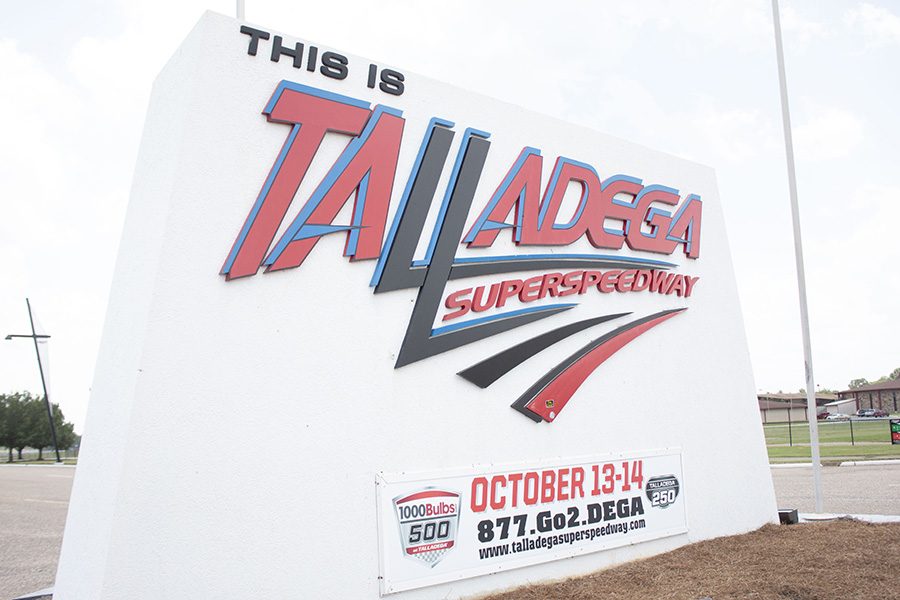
[[428, 520]]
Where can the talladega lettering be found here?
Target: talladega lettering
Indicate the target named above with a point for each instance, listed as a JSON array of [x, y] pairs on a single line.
[[367, 168], [612, 212]]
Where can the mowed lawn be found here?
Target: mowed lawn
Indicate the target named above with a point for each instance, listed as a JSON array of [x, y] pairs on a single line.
[[869, 430], [870, 440], [838, 452]]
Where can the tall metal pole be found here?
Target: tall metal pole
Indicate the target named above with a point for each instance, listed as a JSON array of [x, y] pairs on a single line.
[[801, 275], [239, 9], [34, 336]]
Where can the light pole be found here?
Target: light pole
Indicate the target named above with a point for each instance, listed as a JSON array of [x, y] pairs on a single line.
[[35, 337]]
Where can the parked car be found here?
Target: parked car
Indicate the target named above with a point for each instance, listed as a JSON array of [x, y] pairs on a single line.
[[865, 412], [880, 413], [837, 417], [823, 415]]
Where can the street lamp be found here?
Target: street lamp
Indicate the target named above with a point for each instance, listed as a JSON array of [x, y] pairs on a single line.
[[35, 337]]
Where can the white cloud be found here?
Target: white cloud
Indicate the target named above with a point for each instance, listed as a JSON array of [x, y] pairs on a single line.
[[732, 23], [733, 134], [879, 26], [707, 131], [827, 133], [853, 290], [799, 30]]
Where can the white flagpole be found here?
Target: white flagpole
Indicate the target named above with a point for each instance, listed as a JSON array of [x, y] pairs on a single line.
[[240, 9], [801, 275]]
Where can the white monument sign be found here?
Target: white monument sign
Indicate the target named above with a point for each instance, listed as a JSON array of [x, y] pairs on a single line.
[[371, 334]]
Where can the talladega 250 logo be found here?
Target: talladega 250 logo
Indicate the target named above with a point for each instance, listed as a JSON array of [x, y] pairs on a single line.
[[613, 211], [662, 490], [428, 522]]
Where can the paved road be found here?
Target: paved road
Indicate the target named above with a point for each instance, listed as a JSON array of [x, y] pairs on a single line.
[[33, 503], [855, 490]]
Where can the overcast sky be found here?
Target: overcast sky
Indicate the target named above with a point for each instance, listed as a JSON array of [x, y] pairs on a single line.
[[697, 79]]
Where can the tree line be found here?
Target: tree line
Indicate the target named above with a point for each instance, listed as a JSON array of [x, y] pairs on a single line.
[[24, 424], [858, 383]]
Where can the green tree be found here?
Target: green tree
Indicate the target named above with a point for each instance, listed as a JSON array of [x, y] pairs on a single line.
[[40, 436], [29, 419], [24, 423], [14, 421], [38, 427], [858, 383], [895, 374], [65, 434]]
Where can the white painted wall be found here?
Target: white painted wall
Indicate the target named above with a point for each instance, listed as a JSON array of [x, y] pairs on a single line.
[[235, 429]]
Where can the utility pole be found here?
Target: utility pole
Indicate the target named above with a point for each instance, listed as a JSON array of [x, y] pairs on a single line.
[[35, 337]]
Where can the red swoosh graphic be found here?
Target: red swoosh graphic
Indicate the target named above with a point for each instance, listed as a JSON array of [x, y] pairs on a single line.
[[553, 398]]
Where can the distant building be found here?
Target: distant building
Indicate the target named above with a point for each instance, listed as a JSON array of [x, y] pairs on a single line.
[[842, 407], [884, 395], [782, 408]]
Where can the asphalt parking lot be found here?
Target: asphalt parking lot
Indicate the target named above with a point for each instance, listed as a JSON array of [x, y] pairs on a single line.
[[873, 489], [33, 505], [34, 500]]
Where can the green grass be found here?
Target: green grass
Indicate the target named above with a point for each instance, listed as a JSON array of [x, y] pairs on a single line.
[[829, 432], [872, 440], [841, 451]]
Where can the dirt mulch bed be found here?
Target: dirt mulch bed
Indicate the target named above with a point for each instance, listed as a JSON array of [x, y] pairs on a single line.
[[836, 560]]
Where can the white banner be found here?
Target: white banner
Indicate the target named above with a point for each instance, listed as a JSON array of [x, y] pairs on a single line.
[[439, 527], [43, 345]]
